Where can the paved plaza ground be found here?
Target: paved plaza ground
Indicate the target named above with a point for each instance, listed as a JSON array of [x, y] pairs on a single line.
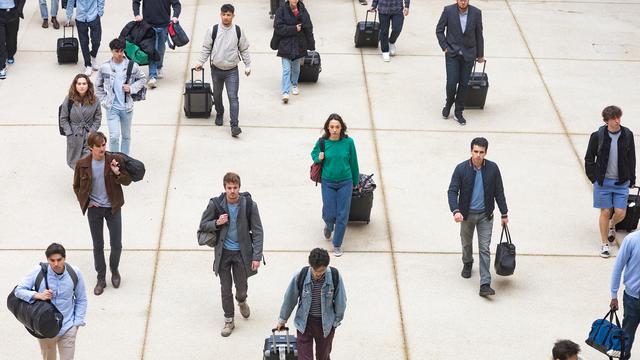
[[553, 65]]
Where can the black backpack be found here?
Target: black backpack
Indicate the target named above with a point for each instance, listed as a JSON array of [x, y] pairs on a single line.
[[69, 105], [214, 34], [135, 168], [41, 318], [335, 277]]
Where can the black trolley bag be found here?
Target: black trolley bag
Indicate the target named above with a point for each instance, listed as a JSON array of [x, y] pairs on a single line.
[[505, 261], [362, 200], [630, 221], [367, 32], [280, 347], [198, 99], [67, 48], [478, 88], [310, 67]]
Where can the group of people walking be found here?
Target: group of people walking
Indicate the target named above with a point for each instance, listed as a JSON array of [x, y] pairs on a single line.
[[231, 223]]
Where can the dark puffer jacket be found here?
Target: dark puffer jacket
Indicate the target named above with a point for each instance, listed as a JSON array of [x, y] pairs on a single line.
[[293, 44], [142, 34]]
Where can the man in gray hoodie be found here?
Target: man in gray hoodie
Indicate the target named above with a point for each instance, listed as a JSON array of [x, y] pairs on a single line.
[[225, 45]]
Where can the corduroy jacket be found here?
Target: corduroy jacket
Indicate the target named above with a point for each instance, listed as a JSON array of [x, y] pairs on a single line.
[[82, 182]]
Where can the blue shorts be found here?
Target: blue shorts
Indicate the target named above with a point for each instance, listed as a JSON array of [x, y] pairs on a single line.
[[610, 195]]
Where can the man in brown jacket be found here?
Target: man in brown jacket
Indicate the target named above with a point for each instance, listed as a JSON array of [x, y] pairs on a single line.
[[97, 182]]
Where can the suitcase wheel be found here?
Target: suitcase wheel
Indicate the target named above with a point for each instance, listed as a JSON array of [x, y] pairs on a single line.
[[368, 222]]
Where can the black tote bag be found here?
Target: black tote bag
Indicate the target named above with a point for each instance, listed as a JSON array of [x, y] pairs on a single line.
[[505, 263]]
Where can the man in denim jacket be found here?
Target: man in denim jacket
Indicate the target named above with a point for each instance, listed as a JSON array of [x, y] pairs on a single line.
[[321, 306]]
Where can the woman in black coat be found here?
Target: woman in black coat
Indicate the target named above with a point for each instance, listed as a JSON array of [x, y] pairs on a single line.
[[294, 32]]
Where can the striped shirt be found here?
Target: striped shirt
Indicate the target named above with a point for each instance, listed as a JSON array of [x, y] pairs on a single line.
[[390, 7], [316, 293]]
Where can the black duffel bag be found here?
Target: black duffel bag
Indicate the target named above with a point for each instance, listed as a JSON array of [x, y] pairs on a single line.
[[177, 36], [505, 262], [41, 318], [135, 168]]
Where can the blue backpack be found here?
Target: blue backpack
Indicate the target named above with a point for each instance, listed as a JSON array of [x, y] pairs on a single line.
[[607, 337]]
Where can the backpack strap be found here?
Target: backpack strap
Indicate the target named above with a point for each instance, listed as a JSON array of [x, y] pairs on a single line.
[[214, 34], [129, 71], [335, 277], [43, 272]]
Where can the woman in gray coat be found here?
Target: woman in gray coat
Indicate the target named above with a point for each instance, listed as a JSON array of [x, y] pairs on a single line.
[[83, 119]]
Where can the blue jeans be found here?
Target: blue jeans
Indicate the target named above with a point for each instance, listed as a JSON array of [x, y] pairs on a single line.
[[290, 74], [336, 204], [229, 78], [83, 36], [119, 123], [395, 21], [458, 74], [631, 320], [43, 8], [161, 39]]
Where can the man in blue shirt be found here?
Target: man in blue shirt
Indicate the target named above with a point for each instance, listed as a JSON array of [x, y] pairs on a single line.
[[475, 185], [628, 259], [68, 297], [88, 14]]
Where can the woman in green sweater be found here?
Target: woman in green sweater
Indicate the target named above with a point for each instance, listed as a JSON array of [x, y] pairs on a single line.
[[340, 175]]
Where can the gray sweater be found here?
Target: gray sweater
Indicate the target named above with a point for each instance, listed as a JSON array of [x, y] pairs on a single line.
[[226, 52]]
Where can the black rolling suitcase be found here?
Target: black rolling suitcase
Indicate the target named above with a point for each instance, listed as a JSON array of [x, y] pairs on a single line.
[[477, 90], [362, 199], [280, 347], [310, 67], [198, 99], [67, 48], [630, 221], [367, 32]]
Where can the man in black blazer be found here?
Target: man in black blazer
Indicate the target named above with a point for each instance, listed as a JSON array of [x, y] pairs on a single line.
[[463, 44]]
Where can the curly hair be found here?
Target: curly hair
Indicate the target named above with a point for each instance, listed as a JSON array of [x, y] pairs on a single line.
[[89, 97]]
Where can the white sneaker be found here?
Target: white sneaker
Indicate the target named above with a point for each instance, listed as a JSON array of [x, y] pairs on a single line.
[[94, 64], [294, 90], [337, 252], [160, 74], [385, 57], [392, 49], [285, 98], [152, 83], [604, 253], [88, 71]]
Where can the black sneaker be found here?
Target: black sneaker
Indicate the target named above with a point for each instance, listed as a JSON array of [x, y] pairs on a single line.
[[486, 290], [446, 110], [460, 119], [219, 119], [611, 236], [235, 131], [466, 270]]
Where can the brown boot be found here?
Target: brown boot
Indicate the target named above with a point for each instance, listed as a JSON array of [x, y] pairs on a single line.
[[115, 278], [55, 23], [45, 23], [100, 285]]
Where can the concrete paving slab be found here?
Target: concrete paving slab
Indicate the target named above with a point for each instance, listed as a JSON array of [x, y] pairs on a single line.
[[102, 337], [202, 314], [280, 196], [538, 305]]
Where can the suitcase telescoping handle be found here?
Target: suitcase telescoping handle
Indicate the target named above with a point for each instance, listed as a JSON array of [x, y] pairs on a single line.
[[194, 69], [64, 33], [366, 17], [273, 338], [484, 65]]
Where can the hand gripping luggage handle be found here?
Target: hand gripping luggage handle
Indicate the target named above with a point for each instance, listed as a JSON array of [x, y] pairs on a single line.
[[273, 338], [484, 65], [505, 230], [375, 16], [64, 33], [194, 69]]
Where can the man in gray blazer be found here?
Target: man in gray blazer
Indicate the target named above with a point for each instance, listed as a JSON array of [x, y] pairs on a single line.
[[233, 217], [462, 44]]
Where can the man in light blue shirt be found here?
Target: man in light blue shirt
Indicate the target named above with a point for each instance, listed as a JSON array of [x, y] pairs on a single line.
[[88, 14], [628, 259], [66, 293]]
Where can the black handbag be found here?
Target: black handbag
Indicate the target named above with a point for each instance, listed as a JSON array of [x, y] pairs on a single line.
[[207, 238], [505, 262]]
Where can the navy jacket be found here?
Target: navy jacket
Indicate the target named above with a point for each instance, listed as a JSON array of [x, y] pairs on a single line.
[[461, 188], [596, 160], [471, 42]]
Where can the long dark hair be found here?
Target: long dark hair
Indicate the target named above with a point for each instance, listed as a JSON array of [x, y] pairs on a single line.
[[343, 129]]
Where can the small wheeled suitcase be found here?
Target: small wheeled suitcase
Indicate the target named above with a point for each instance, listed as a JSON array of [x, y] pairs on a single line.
[[310, 67], [367, 32], [280, 347], [67, 48], [630, 221], [198, 99], [361, 204], [477, 90]]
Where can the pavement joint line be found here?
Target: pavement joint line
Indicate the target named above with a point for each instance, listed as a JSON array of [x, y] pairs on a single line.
[[166, 197], [376, 148]]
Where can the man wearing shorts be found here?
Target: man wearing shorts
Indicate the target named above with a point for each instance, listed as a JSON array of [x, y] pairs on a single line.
[[610, 164]]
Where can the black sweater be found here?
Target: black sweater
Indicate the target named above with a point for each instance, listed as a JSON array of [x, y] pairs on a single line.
[[157, 12]]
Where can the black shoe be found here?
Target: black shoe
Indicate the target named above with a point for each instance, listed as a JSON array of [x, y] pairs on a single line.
[[100, 285], [486, 290], [115, 279], [460, 119], [466, 270], [235, 131], [219, 119], [446, 110]]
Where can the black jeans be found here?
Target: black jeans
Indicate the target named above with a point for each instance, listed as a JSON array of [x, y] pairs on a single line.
[[231, 261], [9, 23], [458, 74], [229, 78], [83, 37], [97, 216], [395, 21]]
